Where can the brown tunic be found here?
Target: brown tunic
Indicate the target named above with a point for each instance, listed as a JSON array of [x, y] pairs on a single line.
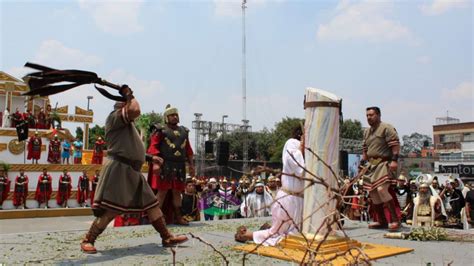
[[121, 188], [378, 145]]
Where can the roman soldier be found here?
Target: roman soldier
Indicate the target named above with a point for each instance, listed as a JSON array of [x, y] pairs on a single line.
[[44, 188], [20, 192], [83, 189], [170, 143], [34, 148], [30, 119], [4, 187], [41, 119], [48, 117], [64, 189], [94, 182], [16, 117], [98, 154], [54, 151], [381, 148]]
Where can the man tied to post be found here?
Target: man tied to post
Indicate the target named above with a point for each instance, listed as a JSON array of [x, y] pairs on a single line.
[[381, 147]]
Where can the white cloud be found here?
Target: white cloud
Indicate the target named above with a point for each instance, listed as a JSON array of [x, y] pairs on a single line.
[[55, 54], [463, 92], [438, 7], [363, 20], [424, 59], [115, 17]]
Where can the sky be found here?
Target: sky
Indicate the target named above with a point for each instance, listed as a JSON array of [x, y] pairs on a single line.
[[413, 59]]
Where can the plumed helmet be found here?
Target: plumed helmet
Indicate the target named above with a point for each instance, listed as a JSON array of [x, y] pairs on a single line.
[[402, 178], [169, 111]]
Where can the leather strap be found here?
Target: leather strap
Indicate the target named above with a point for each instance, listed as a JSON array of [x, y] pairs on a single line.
[[321, 104]]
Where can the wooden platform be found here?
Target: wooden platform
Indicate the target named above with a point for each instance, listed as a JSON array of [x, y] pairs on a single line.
[[290, 250]]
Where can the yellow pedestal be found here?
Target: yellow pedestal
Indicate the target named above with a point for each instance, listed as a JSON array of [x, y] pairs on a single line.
[[294, 248]]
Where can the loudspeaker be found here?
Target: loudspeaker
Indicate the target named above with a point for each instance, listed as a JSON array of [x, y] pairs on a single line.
[[344, 162], [222, 153], [209, 147]]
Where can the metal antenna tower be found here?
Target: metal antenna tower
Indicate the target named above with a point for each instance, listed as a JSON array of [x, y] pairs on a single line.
[[244, 91]]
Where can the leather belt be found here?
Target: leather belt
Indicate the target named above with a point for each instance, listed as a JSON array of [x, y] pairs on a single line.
[[377, 160], [136, 165]]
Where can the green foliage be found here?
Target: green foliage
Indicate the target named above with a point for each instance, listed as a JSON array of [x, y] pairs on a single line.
[[94, 133], [352, 129], [428, 234], [144, 122], [79, 133], [4, 166], [282, 133]]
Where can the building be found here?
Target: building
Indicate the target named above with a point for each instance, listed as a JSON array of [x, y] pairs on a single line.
[[454, 144]]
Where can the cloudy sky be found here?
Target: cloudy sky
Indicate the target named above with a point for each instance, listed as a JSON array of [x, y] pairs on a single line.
[[414, 59]]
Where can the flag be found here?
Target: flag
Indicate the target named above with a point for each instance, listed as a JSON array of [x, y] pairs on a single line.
[[22, 130]]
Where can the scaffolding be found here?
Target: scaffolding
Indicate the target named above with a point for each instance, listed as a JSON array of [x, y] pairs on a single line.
[[208, 130]]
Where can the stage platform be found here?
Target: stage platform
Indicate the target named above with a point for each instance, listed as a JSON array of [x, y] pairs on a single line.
[[56, 241]]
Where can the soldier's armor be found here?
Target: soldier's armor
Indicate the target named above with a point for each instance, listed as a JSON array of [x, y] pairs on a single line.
[[62, 186], [44, 186], [21, 188], [84, 183], [56, 146], [36, 145], [3, 182], [173, 151], [99, 148]]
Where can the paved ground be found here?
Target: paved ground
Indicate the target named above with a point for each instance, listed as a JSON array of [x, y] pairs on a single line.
[[56, 241]]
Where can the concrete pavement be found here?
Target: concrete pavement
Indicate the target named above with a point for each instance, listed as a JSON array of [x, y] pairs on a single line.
[[56, 241]]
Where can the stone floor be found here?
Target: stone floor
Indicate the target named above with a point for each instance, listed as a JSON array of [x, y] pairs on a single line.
[[56, 241]]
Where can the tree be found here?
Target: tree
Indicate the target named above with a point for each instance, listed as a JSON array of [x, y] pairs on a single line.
[[352, 129], [144, 122], [414, 143], [94, 133], [79, 133], [282, 133]]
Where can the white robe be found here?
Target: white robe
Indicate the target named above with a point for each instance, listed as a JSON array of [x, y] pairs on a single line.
[[6, 119], [257, 205], [286, 206]]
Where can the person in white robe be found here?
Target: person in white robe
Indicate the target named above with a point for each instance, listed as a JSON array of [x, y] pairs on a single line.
[[287, 210], [258, 203], [6, 118]]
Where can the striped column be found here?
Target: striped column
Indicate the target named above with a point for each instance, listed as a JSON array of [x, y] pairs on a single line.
[[322, 113]]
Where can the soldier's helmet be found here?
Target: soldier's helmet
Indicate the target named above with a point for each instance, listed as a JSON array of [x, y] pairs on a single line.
[[169, 111]]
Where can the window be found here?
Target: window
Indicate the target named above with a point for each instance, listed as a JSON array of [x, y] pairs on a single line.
[[450, 138], [469, 136]]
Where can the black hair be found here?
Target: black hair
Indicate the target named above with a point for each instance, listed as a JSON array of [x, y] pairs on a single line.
[[375, 108], [297, 132]]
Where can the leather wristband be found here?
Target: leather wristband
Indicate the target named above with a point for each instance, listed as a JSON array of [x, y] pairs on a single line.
[[149, 158]]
